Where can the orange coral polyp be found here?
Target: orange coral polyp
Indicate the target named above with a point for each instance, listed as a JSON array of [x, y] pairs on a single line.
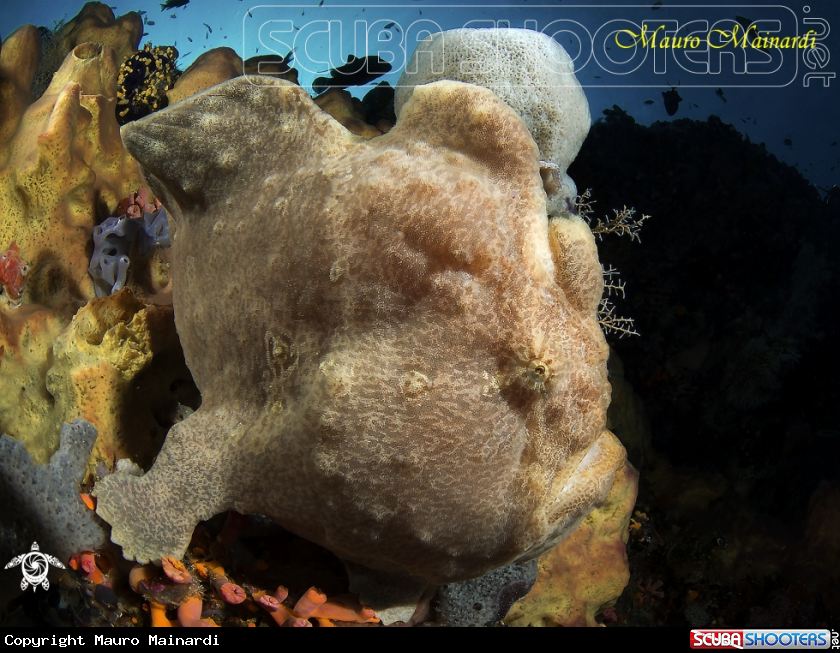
[[189, 614], [298, 622], [88, 566], [312, 599], [345, 608], [232, 593], [175, 570], [210, 569], [140, 573], [158, 611], [314, 604], [277, 610]]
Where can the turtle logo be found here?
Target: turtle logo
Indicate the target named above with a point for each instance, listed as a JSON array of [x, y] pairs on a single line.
[[35, 566]]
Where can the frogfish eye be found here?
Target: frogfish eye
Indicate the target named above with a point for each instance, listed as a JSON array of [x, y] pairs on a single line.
[[538, 371]]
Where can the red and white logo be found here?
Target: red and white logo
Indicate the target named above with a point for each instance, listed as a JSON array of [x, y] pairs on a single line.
[[717, 639], [798, 638]]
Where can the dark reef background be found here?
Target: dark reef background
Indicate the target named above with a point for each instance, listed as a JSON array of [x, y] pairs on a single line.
[[732, 290]]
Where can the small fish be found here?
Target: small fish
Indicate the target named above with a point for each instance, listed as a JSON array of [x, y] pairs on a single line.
[[754, 121], [696, 106], [656, 5], [597, 77], [13, 273], [649, 102], [141, 13], [281, 64], [672, 100], [144, 34], [389, 25], [834, 143], [172, 4], [788, 142], [320, 4], [742, 120], [172, 16], [150, 22], [743, 21], [249, 14], [189, 39], [719, 93], [209, 29]]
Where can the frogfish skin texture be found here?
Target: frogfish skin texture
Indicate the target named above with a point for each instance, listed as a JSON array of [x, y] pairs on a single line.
[[399, 356]]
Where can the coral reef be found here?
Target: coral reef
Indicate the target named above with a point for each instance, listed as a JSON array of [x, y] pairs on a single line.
[[13, 273], [104, 370], [210, 68], [42, 502], [63, 159], [347, 110], [314, 604], [141, 224], [96, 23], [112, 241], [148, 272], [143, 82], [154, 232], [529, 71], [431, 384], [484, 601], [63, 169]]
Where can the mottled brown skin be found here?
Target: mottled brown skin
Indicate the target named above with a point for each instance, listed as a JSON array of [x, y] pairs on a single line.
[[390, 363]]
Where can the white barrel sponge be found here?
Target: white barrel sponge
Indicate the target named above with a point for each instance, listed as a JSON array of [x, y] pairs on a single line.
[[529, 71]]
